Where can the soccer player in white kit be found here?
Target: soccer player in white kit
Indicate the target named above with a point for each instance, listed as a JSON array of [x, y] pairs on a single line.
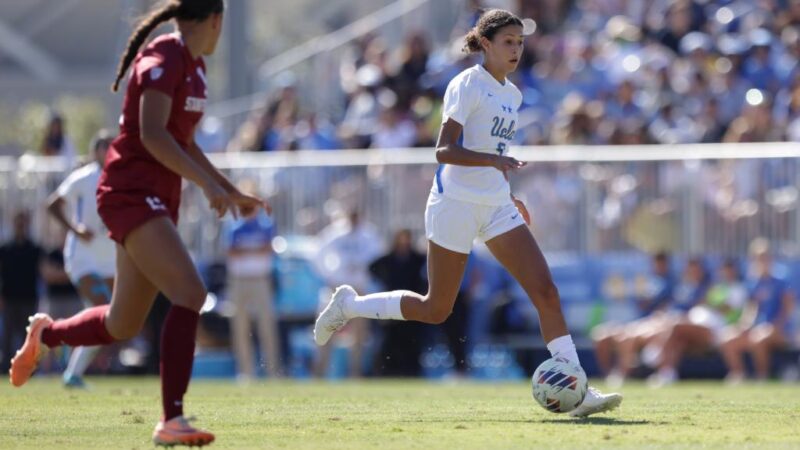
[[470, 198], [89, 254]]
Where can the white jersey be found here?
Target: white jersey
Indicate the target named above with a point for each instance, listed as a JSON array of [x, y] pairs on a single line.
[[79, 192], [487, 111]]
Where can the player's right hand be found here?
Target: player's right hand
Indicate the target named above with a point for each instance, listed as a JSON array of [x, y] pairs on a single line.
[[84, 233], [506, 163], [218, 198]]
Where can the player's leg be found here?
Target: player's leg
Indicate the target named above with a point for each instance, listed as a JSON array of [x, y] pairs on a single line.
[[761, 341], [603, 340], [519, 253], [680, 337], [177, 278], [445, 271], [450, 226], [95, 291], [131, 300], [732, 346]]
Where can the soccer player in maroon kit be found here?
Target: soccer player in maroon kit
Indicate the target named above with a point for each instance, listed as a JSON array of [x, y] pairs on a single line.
[[138, 198]]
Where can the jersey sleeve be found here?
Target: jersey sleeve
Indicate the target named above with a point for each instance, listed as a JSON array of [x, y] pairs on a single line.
[[160, 68], [460, 100]]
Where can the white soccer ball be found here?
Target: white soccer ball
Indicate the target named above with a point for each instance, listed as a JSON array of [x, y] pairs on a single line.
[[559, 385]]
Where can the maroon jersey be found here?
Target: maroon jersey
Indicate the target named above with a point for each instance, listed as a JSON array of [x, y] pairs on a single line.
[[165, 65]]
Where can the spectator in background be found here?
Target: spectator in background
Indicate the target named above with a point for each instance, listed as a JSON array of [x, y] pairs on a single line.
[[20, 260], [249, 265], [647, 335], [55, 141], [767, 322], [706, 324], [315, 133], [413, 63], [395, 129], [347, 248], [401, 268], [609, 336]]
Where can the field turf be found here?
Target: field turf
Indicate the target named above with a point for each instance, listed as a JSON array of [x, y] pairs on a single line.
[[397, 414]]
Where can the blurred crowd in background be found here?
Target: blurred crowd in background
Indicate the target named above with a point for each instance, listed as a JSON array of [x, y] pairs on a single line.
[[595, 72]]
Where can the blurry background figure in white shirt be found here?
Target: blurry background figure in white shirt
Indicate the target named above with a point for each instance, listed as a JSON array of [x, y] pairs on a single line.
[[347, 247], [89, 256]]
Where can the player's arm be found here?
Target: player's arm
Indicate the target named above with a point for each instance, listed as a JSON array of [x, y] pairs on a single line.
[[244, 202], [55, 207], [154, 114], [196, 153], [448, 151]]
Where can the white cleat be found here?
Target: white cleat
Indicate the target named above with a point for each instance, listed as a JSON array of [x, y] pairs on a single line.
[[596, 402], [333, 317]]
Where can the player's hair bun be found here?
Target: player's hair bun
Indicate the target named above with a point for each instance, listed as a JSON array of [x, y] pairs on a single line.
[[488, 24]]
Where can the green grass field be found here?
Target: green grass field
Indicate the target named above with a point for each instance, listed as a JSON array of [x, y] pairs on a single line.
[[121, 412]]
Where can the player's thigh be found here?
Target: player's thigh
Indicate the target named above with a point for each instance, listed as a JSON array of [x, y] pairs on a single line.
[[519, 253], [452, 224], [693, 334], [445, 272], [132, 298], [157, 250]]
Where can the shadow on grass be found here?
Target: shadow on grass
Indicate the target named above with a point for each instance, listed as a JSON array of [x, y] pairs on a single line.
[[565, 421], [601, 421]]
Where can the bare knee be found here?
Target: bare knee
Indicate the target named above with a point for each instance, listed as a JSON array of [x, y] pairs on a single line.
[[190, 297], [436, 310], [439, 315]]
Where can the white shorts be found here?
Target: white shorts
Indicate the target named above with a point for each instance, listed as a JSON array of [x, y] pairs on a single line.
[[454, 224], [81, 263]]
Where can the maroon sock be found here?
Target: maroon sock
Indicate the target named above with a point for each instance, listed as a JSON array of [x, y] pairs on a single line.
[[177, 356], [88, 327]]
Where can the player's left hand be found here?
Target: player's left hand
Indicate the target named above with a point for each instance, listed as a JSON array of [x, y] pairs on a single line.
[[522, 210], [247, 204]]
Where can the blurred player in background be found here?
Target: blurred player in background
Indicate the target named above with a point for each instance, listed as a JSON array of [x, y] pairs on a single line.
[[138, 198], [470, 198], [89, 255]]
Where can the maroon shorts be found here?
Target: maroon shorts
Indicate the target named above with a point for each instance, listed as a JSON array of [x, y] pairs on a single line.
[[124, 211]]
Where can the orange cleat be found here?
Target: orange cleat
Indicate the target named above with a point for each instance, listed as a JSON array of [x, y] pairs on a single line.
[[177, 431], [24, 363]]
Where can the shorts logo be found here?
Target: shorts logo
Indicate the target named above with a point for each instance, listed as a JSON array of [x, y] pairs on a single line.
[[155, 204], [155, 73]]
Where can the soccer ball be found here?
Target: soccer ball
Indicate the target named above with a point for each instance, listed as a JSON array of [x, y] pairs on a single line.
[[559, 385]]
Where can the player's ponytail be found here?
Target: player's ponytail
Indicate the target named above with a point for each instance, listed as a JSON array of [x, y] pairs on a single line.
[[488, 24], [172, 9]]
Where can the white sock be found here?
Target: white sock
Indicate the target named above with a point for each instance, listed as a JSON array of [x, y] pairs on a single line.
[[564, 347], [79, 360], [383, 305]]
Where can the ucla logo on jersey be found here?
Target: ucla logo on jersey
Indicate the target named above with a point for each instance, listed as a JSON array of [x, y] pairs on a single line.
[[500, 130]]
